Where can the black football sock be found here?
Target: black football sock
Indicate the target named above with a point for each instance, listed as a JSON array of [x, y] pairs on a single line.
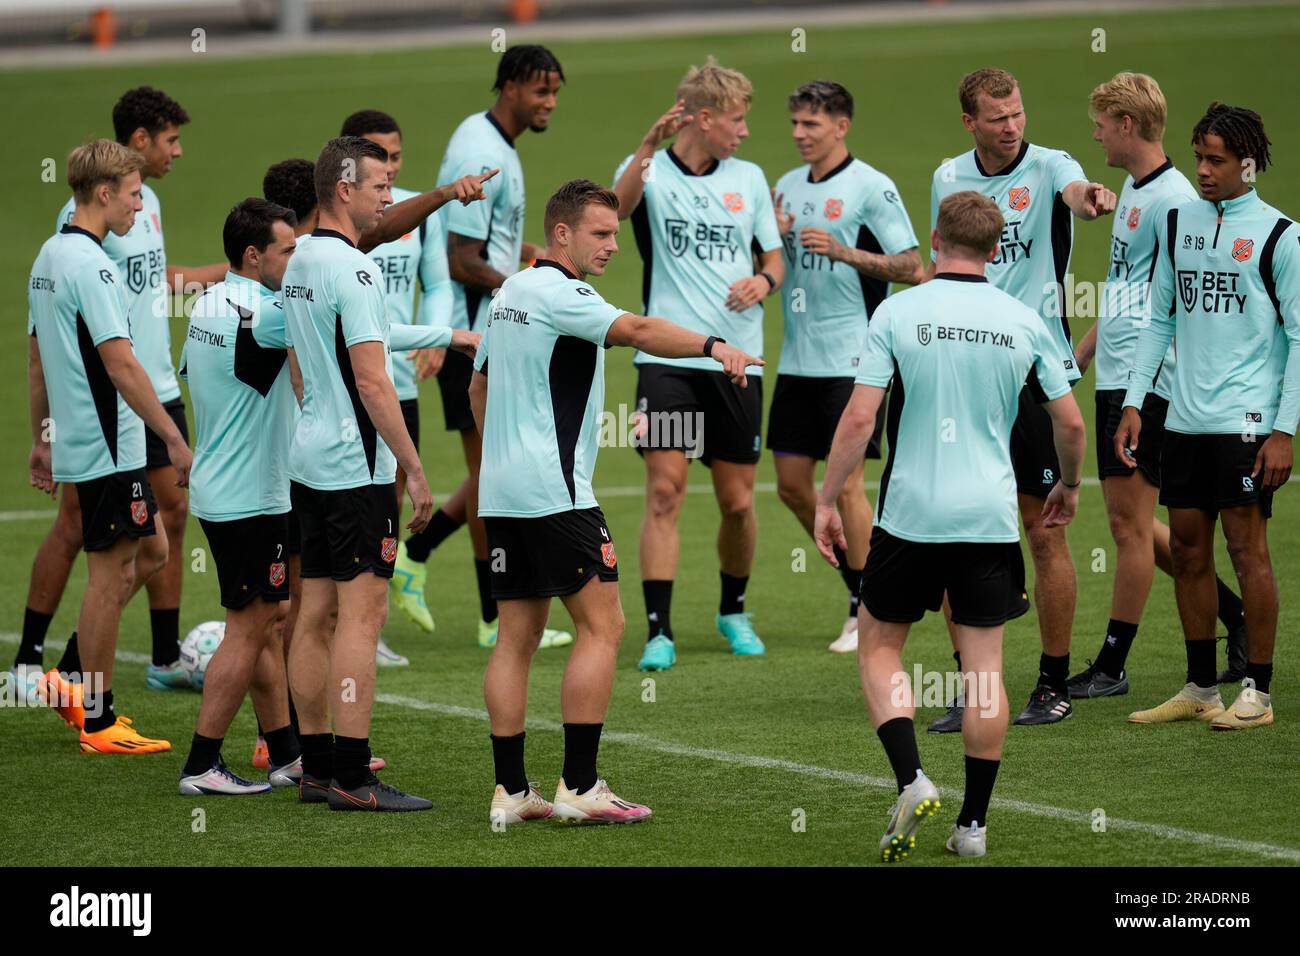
[[31, 650], [1231, 609], [1261, 674], [980, 775], [1200, 663], [1115, 648], [439, 528], [70, 662], [658, 602], [899, 739], [733, 594], [317, 755], [283, 746], [852, 578], [99, 710], [203, 753], [293, 718], [581, 744], [166, 627], [508, 759], [1054, 672], [351, 761], [487, 607]]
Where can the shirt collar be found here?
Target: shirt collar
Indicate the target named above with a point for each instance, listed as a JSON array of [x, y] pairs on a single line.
[[686, 170], [1024, 148], [1245, 201], [554, 265], [497, 126], [960, 277], [848, 161], [70, 229], [1155, 173], [326, 233]]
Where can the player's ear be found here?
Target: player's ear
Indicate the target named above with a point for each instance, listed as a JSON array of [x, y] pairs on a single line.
[[140, 140], [934, 240]]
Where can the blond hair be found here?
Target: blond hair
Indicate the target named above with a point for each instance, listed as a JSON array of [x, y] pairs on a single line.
[[715, 88], [1135, 95], [992, 82], [970, 220], [97, 162]]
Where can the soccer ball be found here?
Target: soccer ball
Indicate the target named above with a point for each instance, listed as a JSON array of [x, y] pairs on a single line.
[[198, 647]]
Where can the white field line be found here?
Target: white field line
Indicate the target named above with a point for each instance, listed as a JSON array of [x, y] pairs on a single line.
[[1076, 817]]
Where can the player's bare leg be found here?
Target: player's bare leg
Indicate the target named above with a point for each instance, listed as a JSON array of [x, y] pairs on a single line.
[[795, 485], [164, 588], [50, 570], [1191, 538], [505, 684], [582, 796], [952, 720], [891, 707], [733, 486], [112, 572], [660, 550], [1055, 595], [984, 731], [1246, 531], [309, 668]]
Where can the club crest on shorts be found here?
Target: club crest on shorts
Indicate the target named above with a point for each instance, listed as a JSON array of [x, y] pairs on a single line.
[[277, 574], [1018, 198], [1133, 215], [607, 554], [139, 511], [834, 209], [1242, 248], [388, 550]]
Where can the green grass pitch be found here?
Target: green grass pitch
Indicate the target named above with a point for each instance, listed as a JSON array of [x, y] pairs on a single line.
[[768, 761]]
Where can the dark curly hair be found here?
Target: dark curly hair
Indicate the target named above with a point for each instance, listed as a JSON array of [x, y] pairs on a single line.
[[1241, 129], [148, 109], [292, 183]]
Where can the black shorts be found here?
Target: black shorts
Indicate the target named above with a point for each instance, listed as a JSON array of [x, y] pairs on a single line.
[[805, 413], [1033, 451], [294, 532], [348, 531], [453, 383], [411, 415], [252, 556], [550, 556], [118, 504], [155, 449], [684, 405], [985, 581], [1211, 472], [1110, 409]]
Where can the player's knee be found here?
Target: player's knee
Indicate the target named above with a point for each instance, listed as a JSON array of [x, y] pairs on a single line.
[[1126, 531], [66, 534], [1248, 557], [792, 493], [1045, 542], [176, 515], [664, 497]]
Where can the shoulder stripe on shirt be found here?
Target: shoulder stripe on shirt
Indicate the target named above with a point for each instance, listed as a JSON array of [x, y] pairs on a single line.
[[102, 389], [572, 370], [1266, 265], [255, 366], [365, 427]]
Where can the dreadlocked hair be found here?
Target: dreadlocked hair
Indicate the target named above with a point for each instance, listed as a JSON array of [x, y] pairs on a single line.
[[1241, 129]]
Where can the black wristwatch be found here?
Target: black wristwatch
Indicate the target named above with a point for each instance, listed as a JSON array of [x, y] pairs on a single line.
[[708, 345], [771, 283]]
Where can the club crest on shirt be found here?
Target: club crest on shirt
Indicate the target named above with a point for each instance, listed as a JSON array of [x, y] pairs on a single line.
[[1242, 248], [607, 554], [1018, 198], [276, 576], [734, 202], [139, 511], [388, 550], [834, 209], [157, 226], [923, 333], [1133, 215]]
